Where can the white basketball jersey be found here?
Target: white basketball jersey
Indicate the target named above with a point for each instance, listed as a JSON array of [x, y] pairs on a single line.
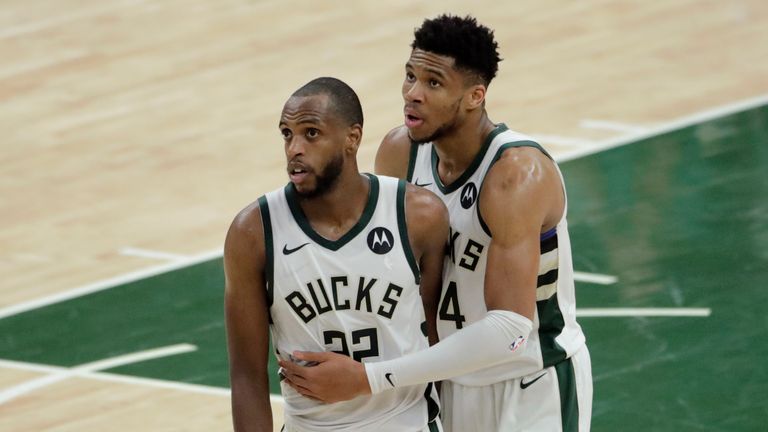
[[358, 295], [556, 335]]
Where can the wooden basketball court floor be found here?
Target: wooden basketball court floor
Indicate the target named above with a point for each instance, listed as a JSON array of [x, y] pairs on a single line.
[[133, 131]]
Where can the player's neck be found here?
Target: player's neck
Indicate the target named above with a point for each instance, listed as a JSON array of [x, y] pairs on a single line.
[[335, 212], [457, 150]]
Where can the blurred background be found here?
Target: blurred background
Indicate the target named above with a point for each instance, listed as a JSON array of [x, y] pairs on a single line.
[[133, 131]]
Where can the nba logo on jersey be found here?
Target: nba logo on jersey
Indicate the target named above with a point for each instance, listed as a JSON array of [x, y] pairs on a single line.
[[468, 195], [516, 343], [380, 240]]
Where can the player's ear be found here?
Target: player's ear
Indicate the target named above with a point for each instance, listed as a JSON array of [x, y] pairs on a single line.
[[475, 96], [354, 137]]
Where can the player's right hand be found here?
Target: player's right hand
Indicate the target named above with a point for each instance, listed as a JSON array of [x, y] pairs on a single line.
[[333, 378]]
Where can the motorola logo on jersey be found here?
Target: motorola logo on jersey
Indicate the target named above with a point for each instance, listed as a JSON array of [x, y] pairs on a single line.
[[468, 195], [380, 240]]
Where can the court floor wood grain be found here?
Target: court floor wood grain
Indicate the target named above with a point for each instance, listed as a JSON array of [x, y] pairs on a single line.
[[148, 125]]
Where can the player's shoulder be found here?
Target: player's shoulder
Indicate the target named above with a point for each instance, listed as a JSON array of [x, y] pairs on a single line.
[[247, 224], [522, 164], [415, 195], [523, 175], [397, 138], [424, 204], [394, 153]]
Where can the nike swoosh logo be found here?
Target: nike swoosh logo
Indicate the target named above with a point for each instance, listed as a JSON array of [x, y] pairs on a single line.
[[388, 376], [287, 251], [528, 384], [416, 182]]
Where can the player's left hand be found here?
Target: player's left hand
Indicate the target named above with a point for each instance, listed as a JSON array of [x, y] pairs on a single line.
[[333, 378]]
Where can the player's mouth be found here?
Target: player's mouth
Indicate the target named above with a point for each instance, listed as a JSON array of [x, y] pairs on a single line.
[[298, 172], [412, 118]]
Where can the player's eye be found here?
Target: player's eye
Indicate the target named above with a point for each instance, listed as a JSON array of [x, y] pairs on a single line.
[[434, 83], [286, 133], [313, 133], [410, 77]]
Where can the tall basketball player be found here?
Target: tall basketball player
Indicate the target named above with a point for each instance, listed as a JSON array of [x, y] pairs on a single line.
[[511, 349], [334, 261]]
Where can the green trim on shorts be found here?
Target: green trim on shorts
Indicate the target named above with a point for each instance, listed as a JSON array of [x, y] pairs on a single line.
[[551, 325], [433, 426], [569, 403], [433, 407]]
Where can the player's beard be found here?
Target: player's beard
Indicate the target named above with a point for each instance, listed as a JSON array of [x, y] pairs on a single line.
[[327, 179], [444, 129]]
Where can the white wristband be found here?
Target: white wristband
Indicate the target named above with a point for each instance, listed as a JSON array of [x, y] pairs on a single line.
[[495, 339]]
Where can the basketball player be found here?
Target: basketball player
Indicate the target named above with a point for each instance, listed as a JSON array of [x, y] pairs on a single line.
[[510, 345], [334, 261]]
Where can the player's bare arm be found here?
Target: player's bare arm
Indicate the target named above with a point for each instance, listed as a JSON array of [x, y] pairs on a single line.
[[393, 153], [337, 377], [521, 198], [427, 220], [247, 323]]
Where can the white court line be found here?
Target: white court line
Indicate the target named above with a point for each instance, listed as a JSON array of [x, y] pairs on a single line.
[[126, 379], [144, 253], [644, 312], [683, 122], [595, 278], [172, 385], [64, 373], [34, 367], [612, 126], [108, 283]]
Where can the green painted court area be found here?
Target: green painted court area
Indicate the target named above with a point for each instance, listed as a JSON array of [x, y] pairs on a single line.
[[680, 219]]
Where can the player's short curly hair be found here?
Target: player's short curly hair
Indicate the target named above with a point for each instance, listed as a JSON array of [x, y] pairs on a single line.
[[469, 43]]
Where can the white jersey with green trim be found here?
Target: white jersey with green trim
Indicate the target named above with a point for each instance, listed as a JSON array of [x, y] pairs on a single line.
[[556, 335], [358, 295]]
